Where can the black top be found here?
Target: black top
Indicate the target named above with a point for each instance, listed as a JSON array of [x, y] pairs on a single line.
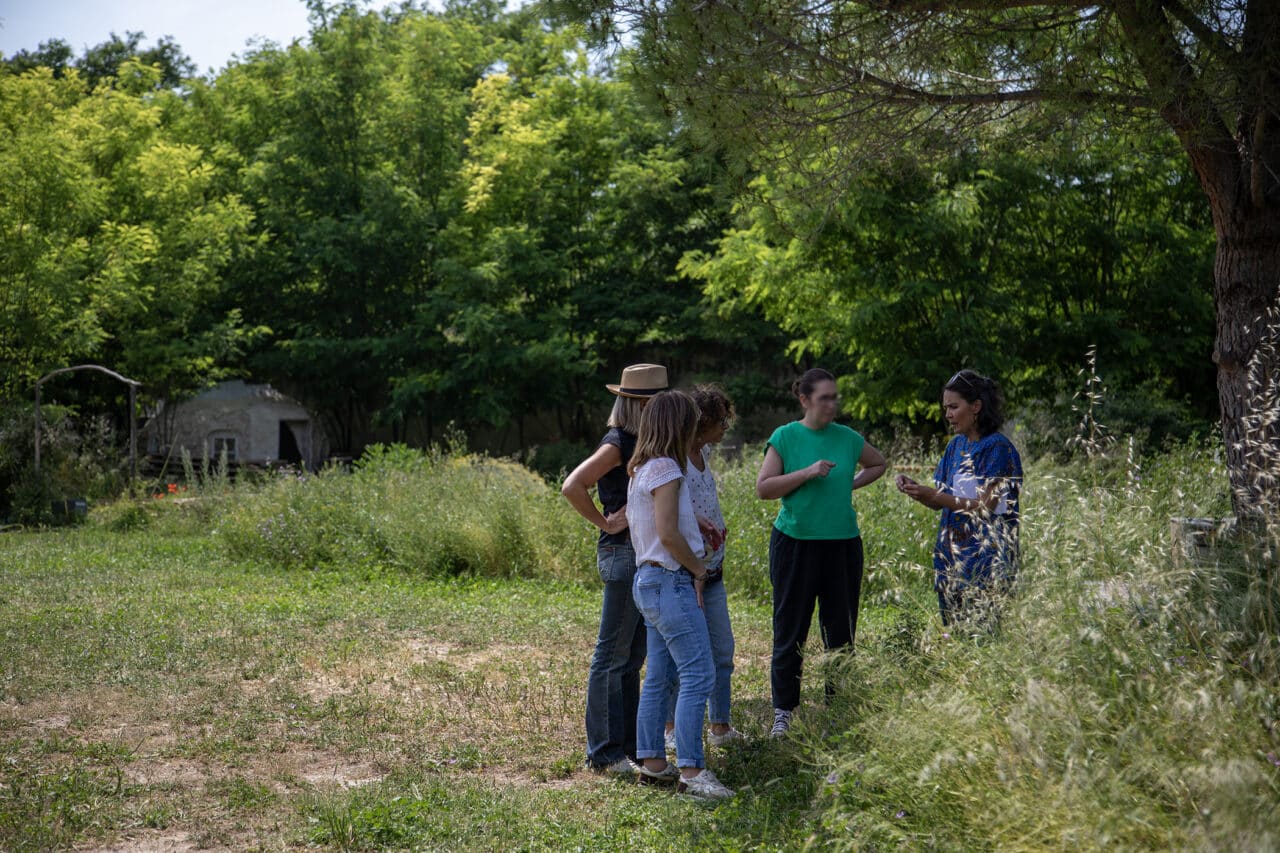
[[612, 487]]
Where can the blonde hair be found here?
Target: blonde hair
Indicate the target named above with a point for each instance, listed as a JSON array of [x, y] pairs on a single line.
[[626, 413], [667, 428]]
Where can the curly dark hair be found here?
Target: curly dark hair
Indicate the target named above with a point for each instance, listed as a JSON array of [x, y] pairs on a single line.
[[714, 405], [973, 386]]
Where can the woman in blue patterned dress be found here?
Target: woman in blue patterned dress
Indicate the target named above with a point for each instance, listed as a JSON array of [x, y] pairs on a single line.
[[978, 484]]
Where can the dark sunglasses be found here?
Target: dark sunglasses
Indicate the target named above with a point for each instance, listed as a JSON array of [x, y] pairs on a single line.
[[961, 378]]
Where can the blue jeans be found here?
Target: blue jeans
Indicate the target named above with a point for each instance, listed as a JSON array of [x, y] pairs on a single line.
[[715, 607], [678, 640], [613, 686]]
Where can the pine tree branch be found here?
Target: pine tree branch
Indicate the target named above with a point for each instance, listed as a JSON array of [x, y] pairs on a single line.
[[1203, 33]]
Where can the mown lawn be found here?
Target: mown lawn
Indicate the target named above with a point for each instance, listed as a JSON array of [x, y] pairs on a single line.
[[159, 694]]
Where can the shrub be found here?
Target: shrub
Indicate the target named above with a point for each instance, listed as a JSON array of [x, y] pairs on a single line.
[[79, 459], [428, 512]]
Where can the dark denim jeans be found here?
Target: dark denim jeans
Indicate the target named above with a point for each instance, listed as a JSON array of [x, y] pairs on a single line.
[[613, 686]]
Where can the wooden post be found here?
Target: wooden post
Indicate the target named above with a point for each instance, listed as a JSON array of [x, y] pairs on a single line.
[[133, 435], [37, 427]]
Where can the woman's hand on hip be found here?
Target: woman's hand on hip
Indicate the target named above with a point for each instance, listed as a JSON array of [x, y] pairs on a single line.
[[616, 522]]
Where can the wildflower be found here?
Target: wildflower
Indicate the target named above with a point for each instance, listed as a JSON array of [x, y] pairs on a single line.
[[901, 814]]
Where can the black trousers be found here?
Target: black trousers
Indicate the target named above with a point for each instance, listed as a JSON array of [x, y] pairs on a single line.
[[804, 571]]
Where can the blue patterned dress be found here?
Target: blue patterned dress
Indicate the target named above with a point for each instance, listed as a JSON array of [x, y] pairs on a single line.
[[978, 550]]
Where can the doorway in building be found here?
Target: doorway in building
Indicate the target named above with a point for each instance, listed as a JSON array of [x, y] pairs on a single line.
[[290, 447]]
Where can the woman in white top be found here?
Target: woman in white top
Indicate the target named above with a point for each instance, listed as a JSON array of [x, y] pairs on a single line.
[[670, 578], [715, 415]]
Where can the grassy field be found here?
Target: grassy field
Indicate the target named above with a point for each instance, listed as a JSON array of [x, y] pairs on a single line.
[[395, 658]]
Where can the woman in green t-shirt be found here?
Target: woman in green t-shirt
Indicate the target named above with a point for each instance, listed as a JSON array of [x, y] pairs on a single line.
[[815, 550]]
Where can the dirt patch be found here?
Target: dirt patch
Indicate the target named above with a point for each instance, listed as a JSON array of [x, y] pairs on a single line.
[[167, 771], [505, 778], [72, 711], [470, 658], [151, 842], [498, 712], [57, 721], [325, 770]]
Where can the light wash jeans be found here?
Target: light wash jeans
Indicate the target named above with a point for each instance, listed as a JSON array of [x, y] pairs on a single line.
[[715, 607], [678, 640], [613, 686]]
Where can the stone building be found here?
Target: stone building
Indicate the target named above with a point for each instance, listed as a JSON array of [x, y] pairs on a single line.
[[252, 424]]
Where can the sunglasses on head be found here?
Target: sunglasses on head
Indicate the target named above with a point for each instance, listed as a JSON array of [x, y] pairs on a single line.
[[960, 377]]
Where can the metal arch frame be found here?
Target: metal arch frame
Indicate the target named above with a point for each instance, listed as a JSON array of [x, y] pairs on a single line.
[[133, 384]]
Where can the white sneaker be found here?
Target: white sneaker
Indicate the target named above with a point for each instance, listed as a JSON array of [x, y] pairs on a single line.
[[665, 776], [729, 736], [704, 786], [671, 741], [781, 723]]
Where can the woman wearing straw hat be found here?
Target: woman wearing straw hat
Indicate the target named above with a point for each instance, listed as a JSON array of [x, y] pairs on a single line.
[[613, 685]]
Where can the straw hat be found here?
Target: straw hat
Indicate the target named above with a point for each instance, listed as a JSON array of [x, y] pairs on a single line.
[[641, 380]]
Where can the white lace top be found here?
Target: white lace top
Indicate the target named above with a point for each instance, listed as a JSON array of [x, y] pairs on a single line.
[[640, 515]]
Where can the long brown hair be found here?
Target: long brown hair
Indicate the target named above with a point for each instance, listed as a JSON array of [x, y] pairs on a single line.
[[667, 427], [973, 386]]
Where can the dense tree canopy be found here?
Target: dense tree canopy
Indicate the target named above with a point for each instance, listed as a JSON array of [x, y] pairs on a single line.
[[816, 90], [114, 237], [421, 218], [1016, 265]]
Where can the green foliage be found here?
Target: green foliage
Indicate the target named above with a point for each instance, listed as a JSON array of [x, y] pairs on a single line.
[[1010, 265], [43, 810], [79, 458], [101, 64], [419, 218], [113, 238], [431, 513]]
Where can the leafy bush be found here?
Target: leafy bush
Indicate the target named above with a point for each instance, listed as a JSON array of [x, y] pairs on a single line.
[[1142, 415], [79, 459], [429, 512]]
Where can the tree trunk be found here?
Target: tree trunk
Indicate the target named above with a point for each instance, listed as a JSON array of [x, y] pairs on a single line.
[[1237, 169], [1247, 352]]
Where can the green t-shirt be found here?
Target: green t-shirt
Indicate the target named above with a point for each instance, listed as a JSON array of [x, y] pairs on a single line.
[[823, 507]]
